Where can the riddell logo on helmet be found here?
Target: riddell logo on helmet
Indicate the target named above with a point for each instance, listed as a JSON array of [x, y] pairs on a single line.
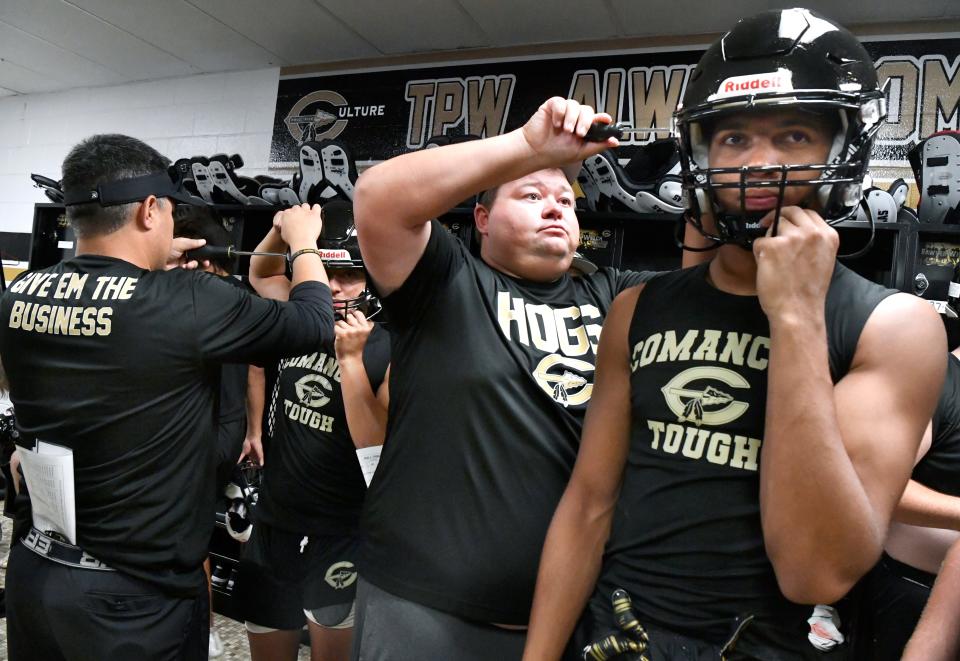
[[335, 254], [777, 81]]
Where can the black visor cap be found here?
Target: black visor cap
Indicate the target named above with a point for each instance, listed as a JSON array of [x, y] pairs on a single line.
[[136, 189]]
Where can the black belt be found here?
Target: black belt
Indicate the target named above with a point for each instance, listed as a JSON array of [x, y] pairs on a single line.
[[62, 552]]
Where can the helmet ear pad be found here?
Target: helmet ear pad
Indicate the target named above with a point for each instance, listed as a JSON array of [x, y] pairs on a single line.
[[239, 525]]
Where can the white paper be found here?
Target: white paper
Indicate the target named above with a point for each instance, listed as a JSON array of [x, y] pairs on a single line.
[[48, 471], [943, 308], [64, 245], [369, 458]]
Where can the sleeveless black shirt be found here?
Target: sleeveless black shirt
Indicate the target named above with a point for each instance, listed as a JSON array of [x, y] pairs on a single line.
[[939, 468], [686, 540], [312, 482]]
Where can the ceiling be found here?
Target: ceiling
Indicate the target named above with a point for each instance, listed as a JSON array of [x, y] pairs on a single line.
[[48, 45]]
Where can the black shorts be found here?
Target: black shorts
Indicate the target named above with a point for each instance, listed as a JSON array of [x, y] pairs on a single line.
[[277, 581], [390, 628], [56, 612], [894, 596], [747, 640]]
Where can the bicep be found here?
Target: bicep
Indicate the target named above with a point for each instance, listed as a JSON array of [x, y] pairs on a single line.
[[390, 250], [276, 287], [886, 400]]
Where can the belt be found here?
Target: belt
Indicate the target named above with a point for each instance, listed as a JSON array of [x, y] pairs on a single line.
[[62, 552]]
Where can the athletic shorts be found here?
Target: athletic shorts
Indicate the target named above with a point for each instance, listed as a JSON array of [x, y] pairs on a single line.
[[390, 628], [894, 596], [748, 640], [282, 574]]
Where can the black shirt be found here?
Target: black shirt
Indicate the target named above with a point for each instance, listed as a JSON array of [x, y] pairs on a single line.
[[939, 469], [233, 386], [489, 381], [312, 482], [121, 365], [686, 539]]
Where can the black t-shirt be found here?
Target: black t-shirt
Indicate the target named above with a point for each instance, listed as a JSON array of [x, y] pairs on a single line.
[[122, 366], [489, 381], [312, 482], [939, 468], [233, 386], [686, 540]]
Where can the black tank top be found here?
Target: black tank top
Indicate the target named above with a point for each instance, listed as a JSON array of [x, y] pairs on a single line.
[[686, 540], [940, 467]]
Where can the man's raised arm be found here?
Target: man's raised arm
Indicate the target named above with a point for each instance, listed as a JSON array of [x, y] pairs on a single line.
[[395, 200]]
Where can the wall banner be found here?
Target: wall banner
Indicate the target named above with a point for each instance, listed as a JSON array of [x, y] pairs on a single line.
[[379, 114]]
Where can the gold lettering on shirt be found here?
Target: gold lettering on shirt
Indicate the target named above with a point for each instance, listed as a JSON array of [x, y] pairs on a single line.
[[60, 319], [729, 348], [720, 448]]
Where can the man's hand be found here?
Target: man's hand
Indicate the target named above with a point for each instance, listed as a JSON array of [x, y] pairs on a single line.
[[300, 225], [252, 450], [795, 267], [180, 246], [351, 335], [556, 130]]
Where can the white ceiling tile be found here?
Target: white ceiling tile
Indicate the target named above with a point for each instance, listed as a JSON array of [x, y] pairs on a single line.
[[48, 45], [509, 22], [411, 26], [680, 17], [80, 32], [687, 17], [25, 81], [299, 31], [47, 58], [190, 33]]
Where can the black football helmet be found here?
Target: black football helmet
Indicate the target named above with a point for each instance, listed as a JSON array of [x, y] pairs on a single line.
[[339, 249], [242, 492], [791, 58]]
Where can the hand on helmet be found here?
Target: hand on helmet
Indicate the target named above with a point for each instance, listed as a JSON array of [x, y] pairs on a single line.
[[299, 225], [794, 268], [556, 131], [252, 449], [351, 335]]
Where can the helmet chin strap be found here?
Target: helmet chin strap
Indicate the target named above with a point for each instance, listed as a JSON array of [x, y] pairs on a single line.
[[732, 228], [366, 303], [729, 232]]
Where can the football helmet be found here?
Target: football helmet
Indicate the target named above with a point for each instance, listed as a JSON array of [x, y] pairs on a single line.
[[791, 58], [339, 249], [242, 491]]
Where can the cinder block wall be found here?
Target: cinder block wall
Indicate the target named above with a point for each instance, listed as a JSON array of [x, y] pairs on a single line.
[[215, 113]]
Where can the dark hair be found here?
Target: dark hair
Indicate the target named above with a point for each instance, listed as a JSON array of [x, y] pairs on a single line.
[[198, 223], [101, 159], [488, 197]]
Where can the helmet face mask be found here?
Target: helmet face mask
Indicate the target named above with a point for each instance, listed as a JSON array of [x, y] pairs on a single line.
[[340, 251], [364, 302], [779, 61]]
